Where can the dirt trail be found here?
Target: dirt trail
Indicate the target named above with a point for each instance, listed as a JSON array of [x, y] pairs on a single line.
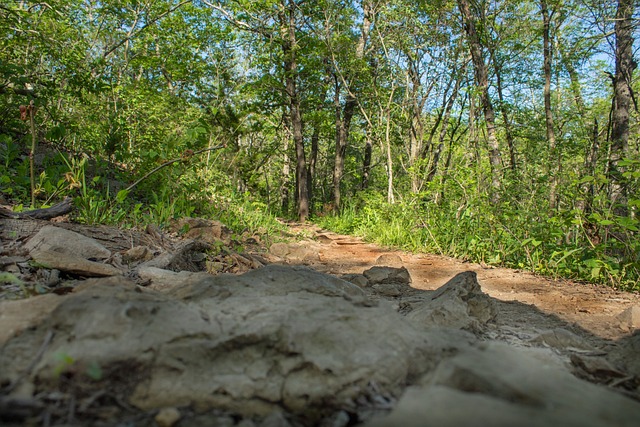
[[592, 308]]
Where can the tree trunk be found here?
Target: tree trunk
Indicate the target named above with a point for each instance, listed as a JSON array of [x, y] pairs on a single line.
[[497, 68], [390, 195], [548, 114], [289, 48], [343, 119], [313, 159], [482, 80], [343, 123], [625, 65], [443, 130], [286, 170], [366, 162]]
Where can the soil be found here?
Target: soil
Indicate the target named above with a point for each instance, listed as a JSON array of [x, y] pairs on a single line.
[[591, 308]]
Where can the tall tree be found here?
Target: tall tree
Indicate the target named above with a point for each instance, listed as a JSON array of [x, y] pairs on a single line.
[[278, 23], [482, 82], [623, 95], [554, 157]]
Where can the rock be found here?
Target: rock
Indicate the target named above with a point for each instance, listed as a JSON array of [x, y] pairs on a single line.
[[303, 252], [390, 260], [58, 240], [18, 315], [625, 353], [11, 260], [138, 253], [73, 264], [167, 417], [630, 318], [562, 339], [459, 303], [356, 279], [205, 230], [163, 279], [385, 275], [275, 419], [277, 338], [499, 385], [388, 289], [279, 249], [185, 257]]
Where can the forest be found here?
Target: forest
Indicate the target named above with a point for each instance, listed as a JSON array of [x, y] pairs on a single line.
[[499, 131]]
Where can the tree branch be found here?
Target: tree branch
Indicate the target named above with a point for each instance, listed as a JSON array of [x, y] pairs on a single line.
[[148, 24]]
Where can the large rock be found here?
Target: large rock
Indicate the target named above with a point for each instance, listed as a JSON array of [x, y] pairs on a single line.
[[61, 241], [66, 250], [278, 338], [499, 385]]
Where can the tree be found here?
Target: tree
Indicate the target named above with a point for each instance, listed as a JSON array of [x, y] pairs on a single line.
[[554, 157], [278, 23], [482, 82], [623, 95]]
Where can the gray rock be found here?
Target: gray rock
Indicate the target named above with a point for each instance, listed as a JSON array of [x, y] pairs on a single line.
[[385, 275], [503, 386], [459, 303], [356, 279], [278, 338], [58, 240], [390, 260], [630, 318], [73, 264], [279, 249]]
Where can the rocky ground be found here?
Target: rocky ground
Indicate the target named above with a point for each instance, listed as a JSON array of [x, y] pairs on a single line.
[[194, 326]]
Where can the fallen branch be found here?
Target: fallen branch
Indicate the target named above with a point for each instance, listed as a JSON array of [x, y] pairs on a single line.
[[170, 162], [61, 208]]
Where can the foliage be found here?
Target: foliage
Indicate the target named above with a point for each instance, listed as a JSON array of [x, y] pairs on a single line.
[[122, 87]]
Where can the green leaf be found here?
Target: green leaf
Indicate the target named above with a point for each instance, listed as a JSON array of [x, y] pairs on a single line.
[[94, 371], [122, 195]]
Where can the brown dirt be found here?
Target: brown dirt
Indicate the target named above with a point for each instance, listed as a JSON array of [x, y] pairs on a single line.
[[590, 307]]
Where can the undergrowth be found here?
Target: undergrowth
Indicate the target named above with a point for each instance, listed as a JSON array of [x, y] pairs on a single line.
[[560, 246]]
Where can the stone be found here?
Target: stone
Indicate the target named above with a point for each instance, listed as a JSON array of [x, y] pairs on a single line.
[[459, 303], [276, 338], [137, 253], [389, 260], [202, 229], [167, 417], [73, 264], [499, 385], [630, 318], [356, 279], [162, 279], [279, 249], [18, 315], [561, 339], [58, 240], [386, 275]]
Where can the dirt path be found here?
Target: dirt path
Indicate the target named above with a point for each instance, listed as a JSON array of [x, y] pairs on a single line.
[[592, 308]]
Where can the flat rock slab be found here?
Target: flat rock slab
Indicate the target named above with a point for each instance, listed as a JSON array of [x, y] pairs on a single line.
[[73, 264], [58, 240]]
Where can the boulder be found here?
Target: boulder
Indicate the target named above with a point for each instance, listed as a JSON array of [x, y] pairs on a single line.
[[277, 338]]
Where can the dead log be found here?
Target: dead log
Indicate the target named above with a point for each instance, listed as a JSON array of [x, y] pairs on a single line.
[[61, 208]]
